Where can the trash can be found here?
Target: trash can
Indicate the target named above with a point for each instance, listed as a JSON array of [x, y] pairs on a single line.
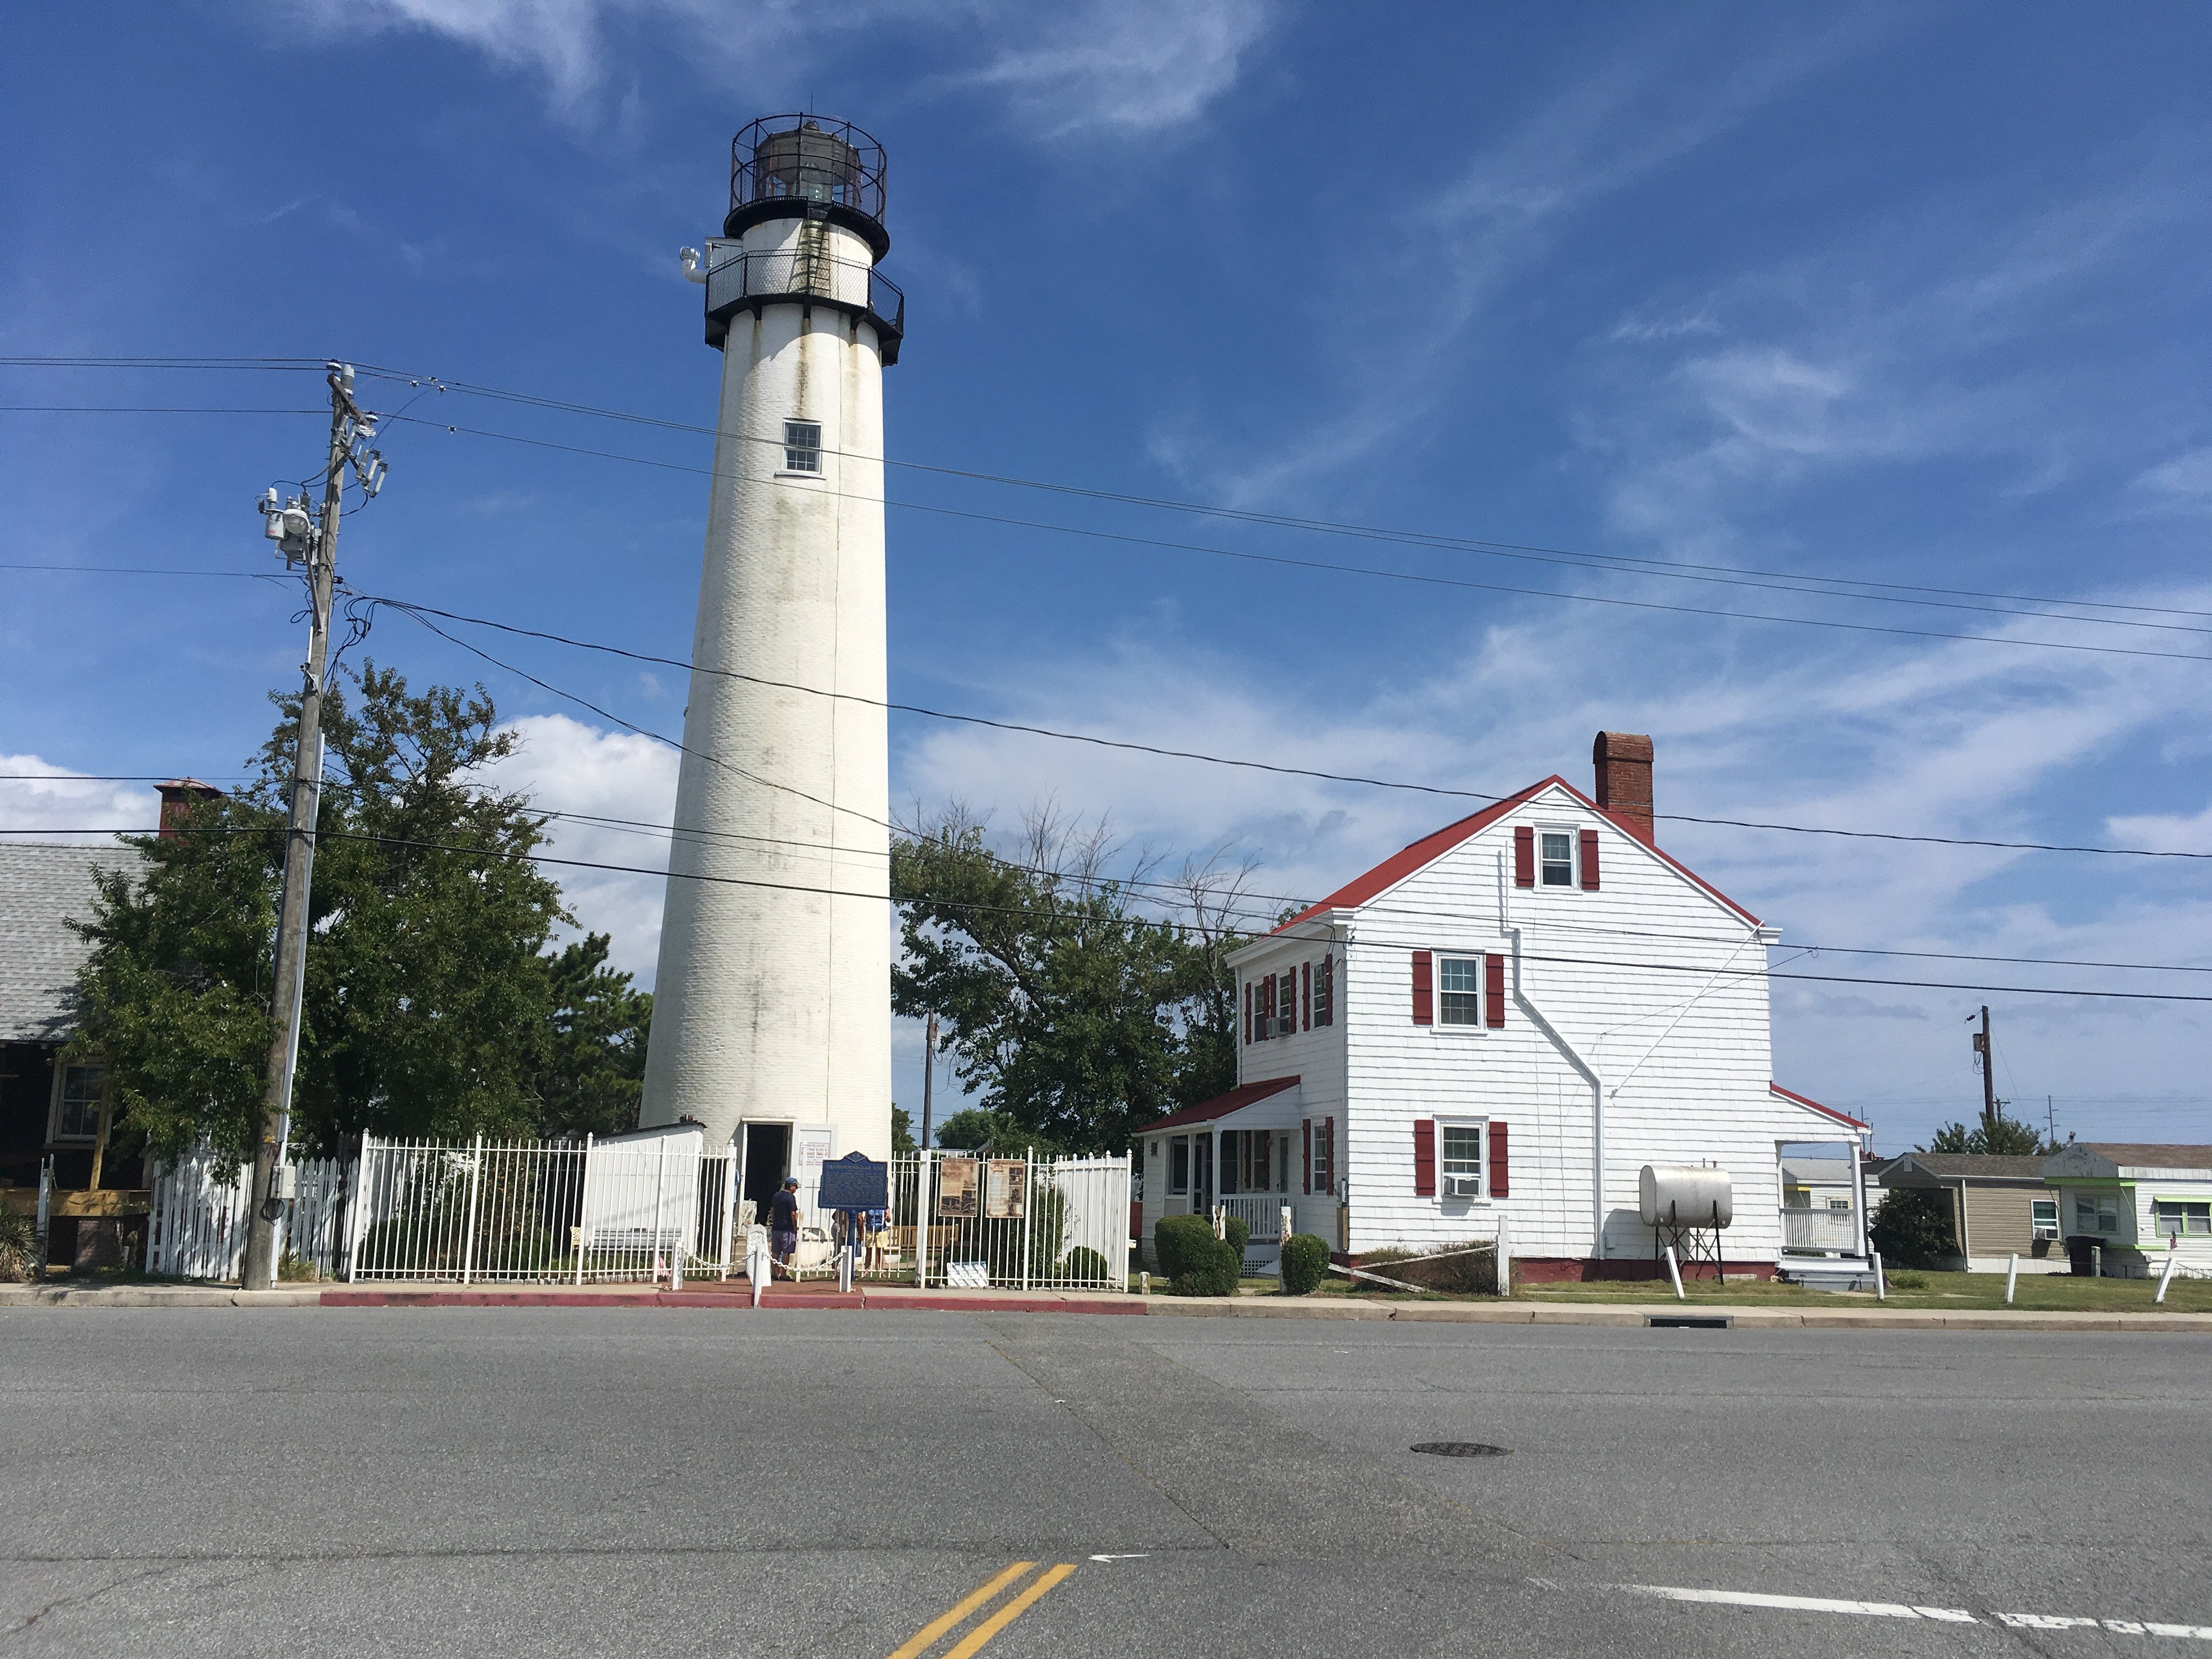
[[2080, 1257]]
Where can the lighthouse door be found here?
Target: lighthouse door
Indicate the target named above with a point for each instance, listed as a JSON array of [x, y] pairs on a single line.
[[767, 1161]]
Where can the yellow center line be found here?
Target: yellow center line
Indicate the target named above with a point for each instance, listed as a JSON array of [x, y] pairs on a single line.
[[1014, 1609], [916, 1644]]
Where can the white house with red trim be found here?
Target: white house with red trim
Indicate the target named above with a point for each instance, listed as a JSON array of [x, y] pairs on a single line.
[[1499, 1027]]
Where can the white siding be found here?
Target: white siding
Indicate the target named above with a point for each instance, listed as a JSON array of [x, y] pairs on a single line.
[[1316, 1057], [1628, 977]]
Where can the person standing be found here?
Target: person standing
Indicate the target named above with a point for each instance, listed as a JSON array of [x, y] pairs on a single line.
[[783, 1225]]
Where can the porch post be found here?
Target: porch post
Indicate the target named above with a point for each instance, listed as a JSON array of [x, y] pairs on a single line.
[[1858, 1199]]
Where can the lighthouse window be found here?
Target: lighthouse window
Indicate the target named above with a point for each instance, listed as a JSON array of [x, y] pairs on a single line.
[[802, 446]]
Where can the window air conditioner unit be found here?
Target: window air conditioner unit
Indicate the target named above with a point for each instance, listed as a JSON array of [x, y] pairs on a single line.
[[1463, 1186], [2046, 1232]]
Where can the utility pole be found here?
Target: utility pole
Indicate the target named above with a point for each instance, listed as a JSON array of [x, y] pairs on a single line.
[[928, 1077], [1989, 1076], [300, 540]]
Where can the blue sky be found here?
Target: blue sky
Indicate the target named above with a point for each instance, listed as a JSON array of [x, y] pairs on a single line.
[[1908, 296]]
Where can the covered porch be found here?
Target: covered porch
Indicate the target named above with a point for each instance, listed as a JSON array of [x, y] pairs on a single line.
[[1239, 1154]]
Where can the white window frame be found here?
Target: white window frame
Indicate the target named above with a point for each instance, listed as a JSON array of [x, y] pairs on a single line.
[[2050, 1229], [1573, 860], [799, 468], [1481, 1128], [1477, 994], [1287, 1008], [62, 1073]]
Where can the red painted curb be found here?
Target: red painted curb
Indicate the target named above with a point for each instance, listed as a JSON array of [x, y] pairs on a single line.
[[858, 1303]]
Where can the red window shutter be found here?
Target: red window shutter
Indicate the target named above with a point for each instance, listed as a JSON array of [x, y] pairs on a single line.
[[1494, 991], [1424, 998], [1328, 1154], [1425, 1157], [1248, 1011], [1305, 1170], [1499, 1188], [1305, 997], [1589, 860], [1524, 855]]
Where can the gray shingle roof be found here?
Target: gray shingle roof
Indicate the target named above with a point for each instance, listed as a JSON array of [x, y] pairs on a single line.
[[42, 888], [1953, 1166]]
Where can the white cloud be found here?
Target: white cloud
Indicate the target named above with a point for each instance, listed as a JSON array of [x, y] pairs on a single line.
[[1132, 67], [1124, 67], [57, 804], [566, 766], [2185, 477]]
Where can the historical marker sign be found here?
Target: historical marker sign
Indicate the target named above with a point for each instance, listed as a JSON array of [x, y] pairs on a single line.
[[854, 1181]]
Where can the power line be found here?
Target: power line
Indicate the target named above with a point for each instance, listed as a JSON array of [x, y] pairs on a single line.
[[1437, 582], [1828, 586], [970, 905], [421, 611]]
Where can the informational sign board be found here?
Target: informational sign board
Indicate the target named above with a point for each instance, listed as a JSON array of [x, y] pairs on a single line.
[[1005, 1193], [854, 1181], [956, 1187]]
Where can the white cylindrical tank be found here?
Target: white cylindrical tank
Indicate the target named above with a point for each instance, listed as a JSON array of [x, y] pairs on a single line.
[[773, 998], [1684, 1195]]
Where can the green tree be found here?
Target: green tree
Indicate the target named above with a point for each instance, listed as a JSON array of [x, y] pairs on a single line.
[[1070, 1016], [2008, 1137], [588, 1071], [1912, 1228], [972, 1129], [902, 1141], [432, 1005]]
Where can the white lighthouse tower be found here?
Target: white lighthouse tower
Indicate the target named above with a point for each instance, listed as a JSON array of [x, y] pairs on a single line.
[[771, 1019]]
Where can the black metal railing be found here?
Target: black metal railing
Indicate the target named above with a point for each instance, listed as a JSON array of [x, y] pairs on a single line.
[[806, 158], [806, 273]]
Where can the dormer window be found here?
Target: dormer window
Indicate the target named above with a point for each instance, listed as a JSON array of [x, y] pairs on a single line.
[[802, 446]]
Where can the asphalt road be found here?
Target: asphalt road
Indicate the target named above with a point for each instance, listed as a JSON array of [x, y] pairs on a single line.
[[606, 1482]]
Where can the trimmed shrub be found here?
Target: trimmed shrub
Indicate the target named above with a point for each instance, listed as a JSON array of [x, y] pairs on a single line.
[[1086, 1264], [1176, 1239], [1211, 1269], [1305, 1263], [1237, 1232], [1912, 1228]]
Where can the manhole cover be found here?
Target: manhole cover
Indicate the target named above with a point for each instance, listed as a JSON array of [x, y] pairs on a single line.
[[1460, 1448]]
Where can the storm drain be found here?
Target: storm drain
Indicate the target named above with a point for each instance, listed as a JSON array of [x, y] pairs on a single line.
[[1687, 1322], [1460, 1448]]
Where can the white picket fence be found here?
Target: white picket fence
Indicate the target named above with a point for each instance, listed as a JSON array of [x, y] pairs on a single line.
[[198, 1226], [649, 1206]]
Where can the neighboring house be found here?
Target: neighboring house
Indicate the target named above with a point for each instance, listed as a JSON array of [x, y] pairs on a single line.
[[2138, 1203], [2000, 1208], [1502, 1024], [55, 1115]]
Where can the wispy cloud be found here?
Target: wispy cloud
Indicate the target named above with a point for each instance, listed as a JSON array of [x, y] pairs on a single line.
[[1111, 67]]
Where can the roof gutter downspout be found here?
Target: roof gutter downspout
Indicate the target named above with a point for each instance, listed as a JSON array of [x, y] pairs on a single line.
[[1590, 1073]]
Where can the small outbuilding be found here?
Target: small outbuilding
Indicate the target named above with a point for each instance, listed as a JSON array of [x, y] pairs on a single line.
[[2000, 1208]]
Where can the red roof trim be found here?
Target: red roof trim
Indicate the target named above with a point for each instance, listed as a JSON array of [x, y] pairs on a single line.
[[1824, 1111], [1400, 864], [1220, 1106]]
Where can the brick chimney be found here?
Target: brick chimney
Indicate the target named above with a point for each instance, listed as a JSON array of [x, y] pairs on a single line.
[[1622, 759], [179, 797]]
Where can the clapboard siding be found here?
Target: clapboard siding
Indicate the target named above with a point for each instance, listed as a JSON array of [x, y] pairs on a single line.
[[1634, 976]]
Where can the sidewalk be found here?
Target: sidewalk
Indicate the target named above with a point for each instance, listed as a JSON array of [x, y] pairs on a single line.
[[714, 1296]]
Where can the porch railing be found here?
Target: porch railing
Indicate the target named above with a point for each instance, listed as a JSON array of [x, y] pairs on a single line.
[[1819, 1231]]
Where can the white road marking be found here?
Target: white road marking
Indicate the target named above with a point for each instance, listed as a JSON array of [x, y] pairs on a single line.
[[1140, 1556], [1904, 1610]]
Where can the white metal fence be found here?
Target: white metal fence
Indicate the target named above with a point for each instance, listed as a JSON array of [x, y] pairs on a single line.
[[1020, 1223], [543, 1211], [198, 1226]]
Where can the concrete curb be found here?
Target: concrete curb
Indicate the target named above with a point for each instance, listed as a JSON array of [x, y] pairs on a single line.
[[882, 1299]]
